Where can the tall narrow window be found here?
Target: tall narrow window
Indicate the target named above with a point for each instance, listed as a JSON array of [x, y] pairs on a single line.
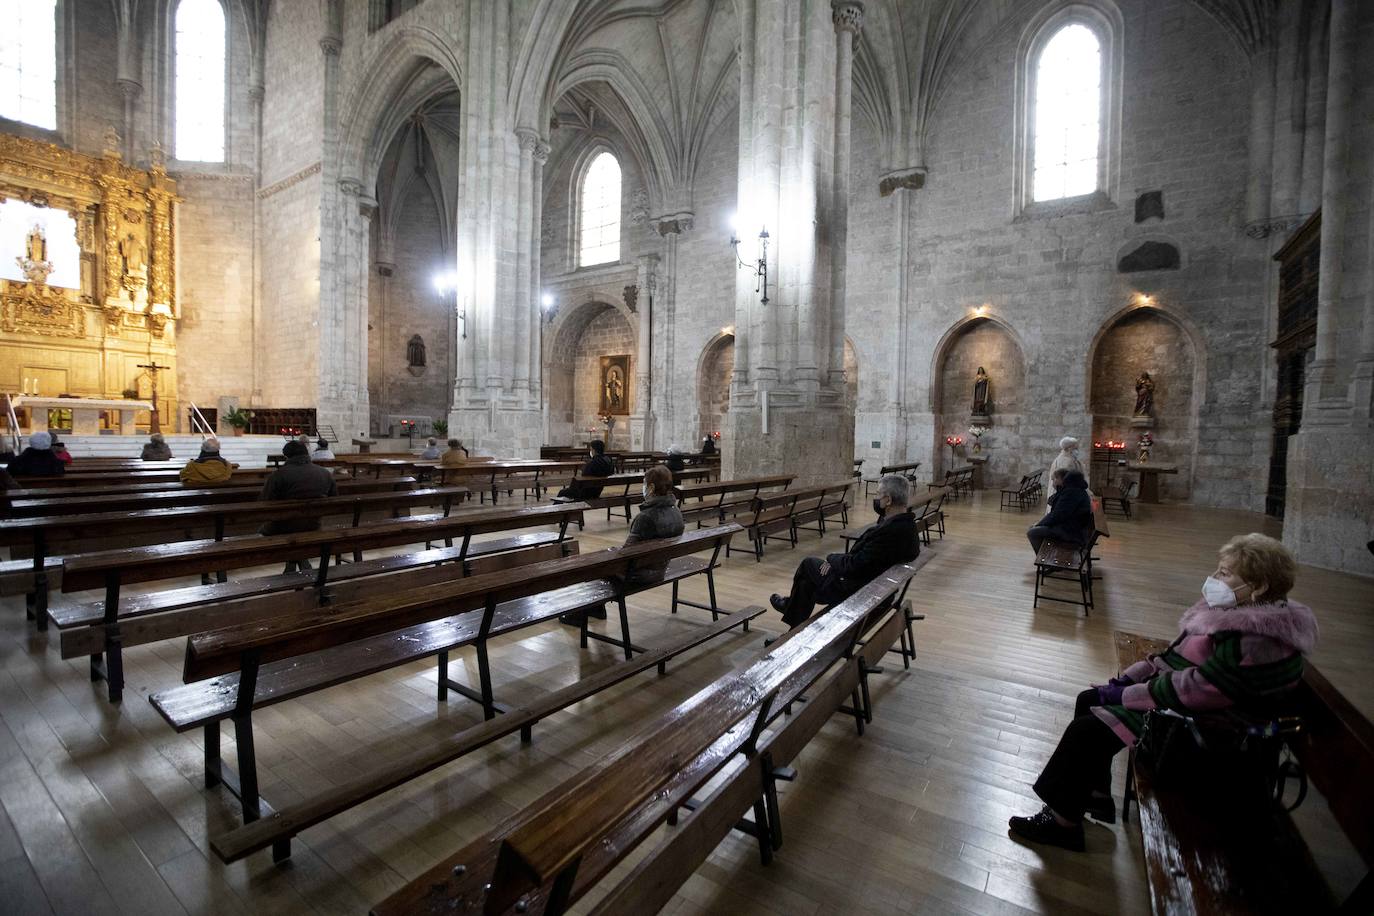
[[600, 212], [1068, 115], [28, 62], [200, 81]]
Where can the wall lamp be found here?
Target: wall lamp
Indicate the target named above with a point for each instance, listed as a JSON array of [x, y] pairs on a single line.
[[447, 285], [760, 269], [550, 306]]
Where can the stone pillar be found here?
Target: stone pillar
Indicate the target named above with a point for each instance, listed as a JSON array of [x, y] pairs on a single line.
[[1323, 400], [665, 305], [787, 405], [536, 305], [527, 239], [1362, 382], [642, 436], [1261, 137]]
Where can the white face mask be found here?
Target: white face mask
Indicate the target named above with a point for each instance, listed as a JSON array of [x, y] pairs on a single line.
[[1217, 593], [645, 490]]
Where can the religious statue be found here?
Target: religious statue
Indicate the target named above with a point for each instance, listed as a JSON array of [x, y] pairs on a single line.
[[615, 393], [615, 387], [1144, 395], [982, 403], [415, 351], [135, 255], [35, 263]]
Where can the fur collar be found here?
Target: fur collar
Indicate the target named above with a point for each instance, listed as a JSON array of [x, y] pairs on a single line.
[[1288, 622]]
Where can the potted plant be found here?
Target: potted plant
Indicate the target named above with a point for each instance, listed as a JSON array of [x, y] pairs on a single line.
[[130, 394], [238, 419], [977, 432], [440, 427]]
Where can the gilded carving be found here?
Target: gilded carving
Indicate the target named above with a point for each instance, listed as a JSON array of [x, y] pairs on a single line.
[[34, 309]]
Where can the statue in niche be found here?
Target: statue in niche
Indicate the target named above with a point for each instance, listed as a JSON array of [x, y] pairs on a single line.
[[415, 355], [135, 256], [1144, 395], [35, 263], [982, 398]]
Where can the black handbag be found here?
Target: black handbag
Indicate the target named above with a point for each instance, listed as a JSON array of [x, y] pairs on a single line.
[[1231, 765]]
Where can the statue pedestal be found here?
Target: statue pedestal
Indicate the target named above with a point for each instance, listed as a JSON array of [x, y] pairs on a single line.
[[979, 462], [1142, 422], [979, 419]]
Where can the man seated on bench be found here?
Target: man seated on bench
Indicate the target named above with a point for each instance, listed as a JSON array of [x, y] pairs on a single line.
[[891, 541], [598, 465], [1070, 518], [659, 517], [1240, 650], [207, 469], [297, 478]]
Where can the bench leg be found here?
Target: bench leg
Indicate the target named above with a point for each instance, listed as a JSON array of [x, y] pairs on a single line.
[[247, 768], [484, 672], [114, 666], [674, 606], [711, 589], [443, 677], [1128, 794], [214, 766], [624, 627]]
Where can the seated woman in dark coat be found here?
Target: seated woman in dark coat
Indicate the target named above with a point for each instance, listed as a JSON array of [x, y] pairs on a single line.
[[37, 460], [1240, 651], [1070, 518], [598, 465]]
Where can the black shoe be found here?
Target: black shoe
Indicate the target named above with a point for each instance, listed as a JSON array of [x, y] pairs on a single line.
[[574, 619], [305, 566], [1102, 808], [779, 603], [1043, 828]]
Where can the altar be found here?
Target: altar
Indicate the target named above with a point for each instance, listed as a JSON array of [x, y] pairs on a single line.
[[85, 412]]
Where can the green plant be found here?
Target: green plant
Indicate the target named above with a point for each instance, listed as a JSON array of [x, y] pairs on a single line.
[[440, 427], [238, 417], [130, 394]]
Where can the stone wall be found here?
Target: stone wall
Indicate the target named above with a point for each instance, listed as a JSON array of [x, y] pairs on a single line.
[[983, 343], [713, 389], [608, 334], [1145, 341]]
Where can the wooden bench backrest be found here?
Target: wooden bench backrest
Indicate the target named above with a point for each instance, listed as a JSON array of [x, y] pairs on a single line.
[[103, 501], [898, 468], [218, 652], [558, 828], [725, 487], [164, 561]]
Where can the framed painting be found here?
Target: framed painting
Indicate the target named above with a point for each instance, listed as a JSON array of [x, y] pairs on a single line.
[[615, 385]]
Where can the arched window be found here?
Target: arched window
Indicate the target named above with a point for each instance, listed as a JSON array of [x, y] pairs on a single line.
[[1068, 115], [599, 240], [28, 63], [200, 81]]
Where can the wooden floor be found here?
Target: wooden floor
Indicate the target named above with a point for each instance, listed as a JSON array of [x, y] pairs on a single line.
[[102, 809]]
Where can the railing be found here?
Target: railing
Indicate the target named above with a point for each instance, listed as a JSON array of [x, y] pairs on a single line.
[[198, 420], [13, 421]]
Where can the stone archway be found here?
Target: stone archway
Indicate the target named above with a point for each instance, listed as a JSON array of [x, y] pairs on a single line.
[[572, 373], [714, 368], [1148, 340], [988, 343]]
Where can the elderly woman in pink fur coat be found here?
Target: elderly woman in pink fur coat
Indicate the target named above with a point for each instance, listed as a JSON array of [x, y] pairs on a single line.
[[1241, 648]]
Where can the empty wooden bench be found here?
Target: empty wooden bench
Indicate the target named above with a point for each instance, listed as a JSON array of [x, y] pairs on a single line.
[[1118, 497], [1258, 862], [1024, 494], [732, 736], [103, 628], [1058, 560], [769, 514], [709, 503], [959, 481], [907, 470], [299, 650]]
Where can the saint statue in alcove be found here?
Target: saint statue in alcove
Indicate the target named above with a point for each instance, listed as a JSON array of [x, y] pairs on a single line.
[[982, 394], [1144, 395], [415, 352]]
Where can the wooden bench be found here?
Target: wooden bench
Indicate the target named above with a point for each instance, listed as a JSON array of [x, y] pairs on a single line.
[[928, 517], [43, 536], [958, 481], [618, 491], [716, 756], [1058, 560], [1195, 863], [771, 513], [709, 503], [1119, 497], [113, 478], [497, 477], [232, 671], [82, 500], [907, 470], [106, 627], [1023, 495]]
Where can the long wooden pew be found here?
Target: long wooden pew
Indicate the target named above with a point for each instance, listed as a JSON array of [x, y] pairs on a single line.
[[550, 854], [767, 514], [709, 502], [83, 500], [231, 671], [496, 477], [109, 478], [104, 628]]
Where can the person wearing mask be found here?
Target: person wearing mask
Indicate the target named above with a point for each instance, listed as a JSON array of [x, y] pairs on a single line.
[[1070, 519], [455, 457], [207, 469], [297, 478], [677, 460], [1067, 459], [891, 541], [1239, 652], [597, 465], [322, 451], [37, 460], [61, 452], [156, 449], [431, 452], [659, 517]]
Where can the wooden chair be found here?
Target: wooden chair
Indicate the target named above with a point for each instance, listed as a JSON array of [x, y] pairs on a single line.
[[1058, 560]]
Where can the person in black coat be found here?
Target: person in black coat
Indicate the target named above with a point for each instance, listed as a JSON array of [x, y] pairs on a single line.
[[38, 459], [891, 541], [1070, 519], [598, 465]]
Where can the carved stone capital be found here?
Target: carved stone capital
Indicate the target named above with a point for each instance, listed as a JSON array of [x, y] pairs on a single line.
[[541, 153], [331, 46], [131, 89], [529, 139], [675, 225], [848, 15], [351, 186]]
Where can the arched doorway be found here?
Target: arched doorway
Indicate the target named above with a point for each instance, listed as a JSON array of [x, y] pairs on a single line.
[[988, 344], [1147, 340], [594, 343], [715, 367]]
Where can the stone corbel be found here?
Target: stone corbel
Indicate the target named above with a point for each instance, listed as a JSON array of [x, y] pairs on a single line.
[[674, 223], [902, 180]]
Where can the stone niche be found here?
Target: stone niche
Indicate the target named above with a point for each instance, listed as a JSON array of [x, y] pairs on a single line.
[[572, 376], [1147, 340], [982, 342], [713, 388]]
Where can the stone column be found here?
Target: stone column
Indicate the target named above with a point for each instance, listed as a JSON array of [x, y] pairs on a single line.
[[665, 305], [1362, 384], [1261, 138], [642, 420], [527, 232], [536, 310], [787, 406], [848, 17], [1323, 400]]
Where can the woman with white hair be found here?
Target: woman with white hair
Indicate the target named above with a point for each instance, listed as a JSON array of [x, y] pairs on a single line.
[[37, 460], [1066, 459]]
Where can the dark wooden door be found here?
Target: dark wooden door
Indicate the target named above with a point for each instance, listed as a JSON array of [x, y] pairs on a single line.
[[1297, 334]]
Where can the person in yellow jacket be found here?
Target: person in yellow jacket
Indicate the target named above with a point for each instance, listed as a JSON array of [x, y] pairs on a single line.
[[207, 469]]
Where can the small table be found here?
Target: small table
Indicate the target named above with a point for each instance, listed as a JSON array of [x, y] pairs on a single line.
[[364, 445], [1149, 478], [979, 462]]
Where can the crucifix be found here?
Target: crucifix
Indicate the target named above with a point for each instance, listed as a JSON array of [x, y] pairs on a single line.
[[154, 424]]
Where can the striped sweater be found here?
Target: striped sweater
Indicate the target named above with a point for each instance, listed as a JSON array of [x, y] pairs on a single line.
[[1225, 664]]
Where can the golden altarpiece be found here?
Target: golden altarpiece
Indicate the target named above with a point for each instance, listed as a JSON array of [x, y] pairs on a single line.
[[92, 342]]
